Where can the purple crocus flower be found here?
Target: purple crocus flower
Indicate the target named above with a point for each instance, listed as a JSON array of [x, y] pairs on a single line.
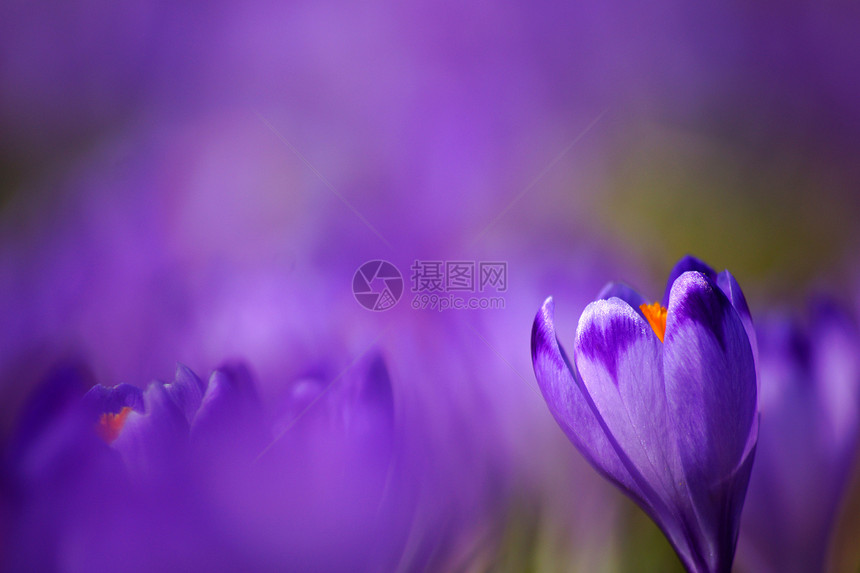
[[810, 407], [662, 400], [189, 474], [148, 428]]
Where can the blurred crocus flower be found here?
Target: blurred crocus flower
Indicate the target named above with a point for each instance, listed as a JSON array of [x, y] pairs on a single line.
[[148, 428], [323, 493], [188, 475], [662, 400], [810, 408]]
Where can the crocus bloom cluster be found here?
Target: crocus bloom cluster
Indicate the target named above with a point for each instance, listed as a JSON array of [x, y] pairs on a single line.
[[662, 400], [100, 478], [115, 466], [810, 409]]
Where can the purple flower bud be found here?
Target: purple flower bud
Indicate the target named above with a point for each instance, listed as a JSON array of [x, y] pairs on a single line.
[[810, 408], [663, 402]]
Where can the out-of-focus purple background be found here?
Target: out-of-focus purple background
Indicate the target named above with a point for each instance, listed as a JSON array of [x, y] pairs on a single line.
[[198, 182]]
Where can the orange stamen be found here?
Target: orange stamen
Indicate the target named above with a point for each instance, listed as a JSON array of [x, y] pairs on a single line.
[[656, 314], [110, 425]]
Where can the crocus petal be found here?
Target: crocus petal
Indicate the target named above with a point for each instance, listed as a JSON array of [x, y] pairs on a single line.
[[620, 362], [53, 456], [230, 412], [186, 391], [625, 293], [54, 435], [810, 399], [786, 506], [150, 442], [687, 263], [710, 374], [569, 405], [836, 369], [369, 402], [101, 399], [730, 287], [56, 395], [711, 389]]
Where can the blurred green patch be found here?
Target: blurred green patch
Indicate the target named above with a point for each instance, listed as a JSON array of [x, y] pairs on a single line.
[[774, 216], [643, 547], [529, 543], [845, 551], [533, 542], [33, 174]]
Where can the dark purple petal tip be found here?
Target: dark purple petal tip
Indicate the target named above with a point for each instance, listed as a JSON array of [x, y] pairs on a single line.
[[696, 298], [625, 293], [543, 333], [230, 409], [732, 290], [103, 400], [686, 264], [607, 328], [186, 391]]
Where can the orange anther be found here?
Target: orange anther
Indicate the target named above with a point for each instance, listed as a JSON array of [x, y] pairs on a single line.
[[656, 314]]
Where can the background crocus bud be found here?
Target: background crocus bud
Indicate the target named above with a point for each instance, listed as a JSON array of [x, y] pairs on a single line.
[[810, 408], [663, 402]]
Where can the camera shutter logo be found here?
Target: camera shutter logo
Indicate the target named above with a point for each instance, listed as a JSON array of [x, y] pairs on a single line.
[[377, 285]]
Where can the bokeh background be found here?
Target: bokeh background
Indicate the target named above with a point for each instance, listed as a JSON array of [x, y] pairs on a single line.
[[198, 181]]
